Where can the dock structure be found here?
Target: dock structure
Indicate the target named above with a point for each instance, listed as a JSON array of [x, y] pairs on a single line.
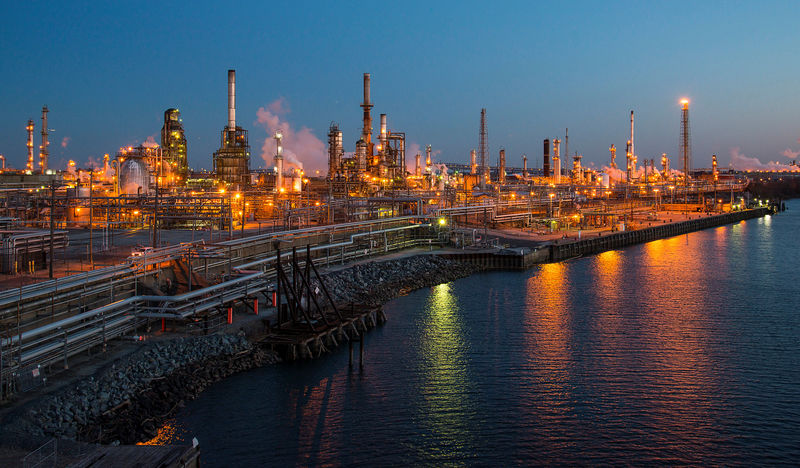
[[309, 321], [618, 240]]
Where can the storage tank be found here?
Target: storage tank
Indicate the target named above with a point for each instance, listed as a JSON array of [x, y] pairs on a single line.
[[606, 179], [133, 176]]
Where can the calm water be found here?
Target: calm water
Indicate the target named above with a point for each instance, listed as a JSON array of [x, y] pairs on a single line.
[[679, 351]]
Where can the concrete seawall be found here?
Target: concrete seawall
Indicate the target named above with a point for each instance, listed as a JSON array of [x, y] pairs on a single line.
[[618, 240], [521, 259]]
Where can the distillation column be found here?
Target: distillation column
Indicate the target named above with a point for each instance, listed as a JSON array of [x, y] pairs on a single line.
[[501, 173], [557, 161], [29, 129]]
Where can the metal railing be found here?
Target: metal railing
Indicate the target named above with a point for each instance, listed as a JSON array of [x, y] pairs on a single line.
[[58, 341]]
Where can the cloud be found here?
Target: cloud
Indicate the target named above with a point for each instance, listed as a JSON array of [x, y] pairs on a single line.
[[65, 142], [790, 154], [301, 148], [742, 162]]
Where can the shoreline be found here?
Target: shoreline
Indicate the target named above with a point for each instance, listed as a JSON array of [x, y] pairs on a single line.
[[128, 400]]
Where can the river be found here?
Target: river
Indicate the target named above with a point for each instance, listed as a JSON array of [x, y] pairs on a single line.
[[680, 351]]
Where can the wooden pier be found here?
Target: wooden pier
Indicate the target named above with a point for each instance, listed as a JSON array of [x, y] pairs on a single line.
[[295, 340]]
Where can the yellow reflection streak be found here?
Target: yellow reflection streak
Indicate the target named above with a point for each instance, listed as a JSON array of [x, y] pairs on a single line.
[[444, 380]]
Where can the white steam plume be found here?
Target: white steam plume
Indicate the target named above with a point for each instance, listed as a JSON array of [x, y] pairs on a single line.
[[742, 162], [301, 148], [790, 154]]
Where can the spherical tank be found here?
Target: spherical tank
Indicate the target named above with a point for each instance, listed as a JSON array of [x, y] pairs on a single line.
[[134, 176]]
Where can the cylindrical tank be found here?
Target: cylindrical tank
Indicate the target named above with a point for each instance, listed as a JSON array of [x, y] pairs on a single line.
[[134, 177], [606, 180]]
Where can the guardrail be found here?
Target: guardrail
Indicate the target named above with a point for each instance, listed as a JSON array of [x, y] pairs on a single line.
[[58, 341]]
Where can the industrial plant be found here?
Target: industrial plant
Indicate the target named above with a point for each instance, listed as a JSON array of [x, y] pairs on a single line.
[[143, 242]]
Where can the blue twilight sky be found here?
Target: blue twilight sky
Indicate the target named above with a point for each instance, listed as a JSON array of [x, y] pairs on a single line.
[[108, 70]]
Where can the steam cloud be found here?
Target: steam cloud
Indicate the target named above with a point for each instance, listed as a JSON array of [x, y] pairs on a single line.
[[301, 148], [65, 142], [745, 163], [150, 142], [411, 155], [617, 174]]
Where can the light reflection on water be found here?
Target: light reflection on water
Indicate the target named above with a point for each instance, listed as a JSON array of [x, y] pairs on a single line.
[[679, 351]]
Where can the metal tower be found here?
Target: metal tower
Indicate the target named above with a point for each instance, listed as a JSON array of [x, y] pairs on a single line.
[[686, 149], [483, 148], [43, 151]]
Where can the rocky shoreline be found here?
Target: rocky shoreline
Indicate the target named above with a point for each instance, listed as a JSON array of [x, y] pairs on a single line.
[[378, 282], [129, 400]]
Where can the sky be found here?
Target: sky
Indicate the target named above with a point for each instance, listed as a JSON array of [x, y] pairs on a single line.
[[108, 70]]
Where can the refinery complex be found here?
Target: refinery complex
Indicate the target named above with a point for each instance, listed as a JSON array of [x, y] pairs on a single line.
[[152, 185], [144, 244]]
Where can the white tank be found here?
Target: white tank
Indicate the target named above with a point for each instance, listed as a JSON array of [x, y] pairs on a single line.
[[134, 177], [606, 180]]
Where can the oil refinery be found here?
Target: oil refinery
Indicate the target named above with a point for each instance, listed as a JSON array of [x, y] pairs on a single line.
[[143, 227], [152, 185]]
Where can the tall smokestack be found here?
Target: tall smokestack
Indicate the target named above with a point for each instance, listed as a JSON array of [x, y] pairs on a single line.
[[231, 99], [524, 166], [546, 162], [473, 164], [43, 152], [418, 167], [366, 132], [29, 129], [633, 149], [501, 173]]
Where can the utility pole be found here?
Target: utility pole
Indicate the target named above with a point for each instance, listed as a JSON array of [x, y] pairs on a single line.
[[154, 243], [91, 205], [52, 222]]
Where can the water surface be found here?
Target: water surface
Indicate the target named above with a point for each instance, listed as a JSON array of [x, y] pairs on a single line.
[[678, 351]]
